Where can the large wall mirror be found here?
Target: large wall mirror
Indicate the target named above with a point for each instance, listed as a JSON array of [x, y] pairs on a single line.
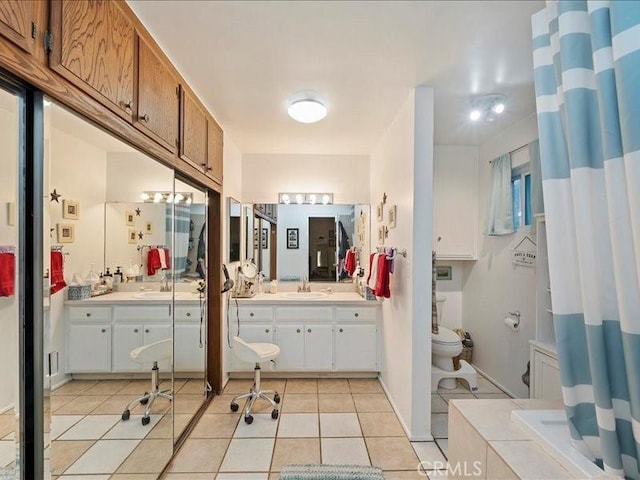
[[124, 262], [290, 242], [234, 229]]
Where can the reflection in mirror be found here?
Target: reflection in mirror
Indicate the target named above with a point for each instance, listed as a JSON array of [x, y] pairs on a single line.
[[10, 146], [104, 336], [233, 219], [289, 242]]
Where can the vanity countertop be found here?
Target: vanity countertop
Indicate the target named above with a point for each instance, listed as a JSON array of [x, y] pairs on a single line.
[[339, 298], [133, 298]]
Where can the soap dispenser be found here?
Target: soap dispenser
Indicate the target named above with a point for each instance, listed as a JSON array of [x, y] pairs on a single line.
[[117, 275]]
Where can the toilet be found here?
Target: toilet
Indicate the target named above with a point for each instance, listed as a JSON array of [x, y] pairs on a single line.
[[445, 345]]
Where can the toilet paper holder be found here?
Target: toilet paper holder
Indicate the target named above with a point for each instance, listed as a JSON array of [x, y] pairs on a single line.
[[516, 314]]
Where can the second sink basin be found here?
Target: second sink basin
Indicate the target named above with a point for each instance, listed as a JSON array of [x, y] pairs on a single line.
[[153, 295], [303, 295]]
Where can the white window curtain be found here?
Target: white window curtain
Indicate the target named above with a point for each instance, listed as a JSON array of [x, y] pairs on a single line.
[[500, 211]]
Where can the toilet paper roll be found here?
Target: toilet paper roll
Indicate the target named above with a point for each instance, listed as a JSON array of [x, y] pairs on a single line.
[[511, 323]]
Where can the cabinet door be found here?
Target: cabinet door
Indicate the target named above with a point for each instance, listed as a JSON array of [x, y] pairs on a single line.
[[193, 131], [126, 338], [260, 333], [455, 198], [318, 347], [214, 150], [188, 355], [89, 348], [16, 22], [356, 347], [546, 376], [290, 339], [155, 333], [158, 108], [93, 47]]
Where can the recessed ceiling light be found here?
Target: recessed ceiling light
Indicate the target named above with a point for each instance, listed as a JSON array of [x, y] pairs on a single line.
[[475, 115], [498, 108], [307, 111]]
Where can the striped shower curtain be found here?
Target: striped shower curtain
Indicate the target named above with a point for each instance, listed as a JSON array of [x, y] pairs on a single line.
[[587, 81], [180, 227]]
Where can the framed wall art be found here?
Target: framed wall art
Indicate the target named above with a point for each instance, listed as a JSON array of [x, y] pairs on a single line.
[[65, 232], [292, 238], [70, 209]]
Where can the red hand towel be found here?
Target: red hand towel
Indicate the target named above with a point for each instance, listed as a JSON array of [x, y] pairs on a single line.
[[57, 272], [350, 262], [153, 262], [7, 274], [167, 258], [382, 284]]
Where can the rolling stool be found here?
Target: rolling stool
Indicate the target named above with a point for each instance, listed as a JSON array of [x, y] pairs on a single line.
[[153, 352], [255, 353]]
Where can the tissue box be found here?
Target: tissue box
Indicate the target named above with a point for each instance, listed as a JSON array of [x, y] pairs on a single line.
[[79, 292]]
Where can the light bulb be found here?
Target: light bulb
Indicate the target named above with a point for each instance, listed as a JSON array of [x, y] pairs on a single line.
[[285, 199], [157, 197], [498, 108], [325, 199], [144, 196], [312, 199], [475, 115], [299, 199], [188, 200], [170, 198], [178, 198]]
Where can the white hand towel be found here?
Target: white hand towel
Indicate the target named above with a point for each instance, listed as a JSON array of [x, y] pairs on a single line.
[[163, 258], [374, 273]]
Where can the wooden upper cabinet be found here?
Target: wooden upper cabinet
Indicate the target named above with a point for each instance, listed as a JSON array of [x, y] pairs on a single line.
[[158, 107], [214, 151], [193, 131], [18, 22], [93, 46]]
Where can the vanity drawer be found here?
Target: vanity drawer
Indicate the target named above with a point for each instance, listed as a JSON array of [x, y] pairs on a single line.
[[356, 313], [255, 313], [303, 313], [146, 312], [90, 313], [187, 314]]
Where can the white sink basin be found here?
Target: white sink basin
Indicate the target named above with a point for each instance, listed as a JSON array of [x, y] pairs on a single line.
[[153, 295], [303, 295]]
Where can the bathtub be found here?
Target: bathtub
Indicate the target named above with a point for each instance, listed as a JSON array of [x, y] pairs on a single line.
[[549, 429]]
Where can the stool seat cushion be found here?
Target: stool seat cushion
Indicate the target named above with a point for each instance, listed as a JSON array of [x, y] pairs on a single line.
[[152, 352], [254, 352]]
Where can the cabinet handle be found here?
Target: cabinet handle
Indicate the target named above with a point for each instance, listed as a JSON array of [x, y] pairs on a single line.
[[135, 330], [298, 330], [206, 167], [143, 118], [341, 330], [126, 105], [356, 314], [146, 330], [266, 330], [439, 238], [188, 314], [309, 330], [251, 314], [104, 330], [88, 314]]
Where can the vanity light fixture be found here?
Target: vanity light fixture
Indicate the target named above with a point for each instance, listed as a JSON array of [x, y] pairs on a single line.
[[307, 111], [306, 198], [487, 107], [167, 197]]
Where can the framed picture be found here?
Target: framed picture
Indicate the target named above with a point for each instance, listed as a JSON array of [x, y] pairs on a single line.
[[393, 214], [129, 218], [132, 236], [264, 239], [380, 211], [382, 234], [148, 228], [70, 209], [443, 272], [292, 238], [65, 233]]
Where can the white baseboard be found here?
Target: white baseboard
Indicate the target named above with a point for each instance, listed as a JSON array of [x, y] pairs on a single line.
[[6, 409], [495, 382], [62, 382], [412, 438]]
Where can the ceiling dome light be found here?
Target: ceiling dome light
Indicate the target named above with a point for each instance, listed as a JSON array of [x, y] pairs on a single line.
[[475, 115], [307, 111], [498, 108]]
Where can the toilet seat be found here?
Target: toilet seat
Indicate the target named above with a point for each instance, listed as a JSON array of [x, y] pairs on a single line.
[[445, 337]]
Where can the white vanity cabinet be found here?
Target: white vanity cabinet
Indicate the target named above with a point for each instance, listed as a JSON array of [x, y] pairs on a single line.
[[89, 347], [312, 338], [455, 193], [189, 339]]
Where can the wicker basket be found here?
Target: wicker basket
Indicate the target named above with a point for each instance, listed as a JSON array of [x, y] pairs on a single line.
[[466, 354]]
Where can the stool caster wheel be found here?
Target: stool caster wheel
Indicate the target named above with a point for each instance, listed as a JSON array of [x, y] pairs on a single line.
[[248, 419], [234, 407], [126, 415], [144, 401], [146, 420], [274, 414], [276, 398]]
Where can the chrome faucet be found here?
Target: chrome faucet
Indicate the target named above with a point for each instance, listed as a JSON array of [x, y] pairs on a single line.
[[305, 285]]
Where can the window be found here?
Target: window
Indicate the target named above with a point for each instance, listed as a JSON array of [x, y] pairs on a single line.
[[521, 195]]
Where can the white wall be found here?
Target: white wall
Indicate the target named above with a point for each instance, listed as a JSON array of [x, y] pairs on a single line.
[[451, 291], [264, 176], [402, 167], [492, 286], [129, 174], [9, 316], [294, 263]]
